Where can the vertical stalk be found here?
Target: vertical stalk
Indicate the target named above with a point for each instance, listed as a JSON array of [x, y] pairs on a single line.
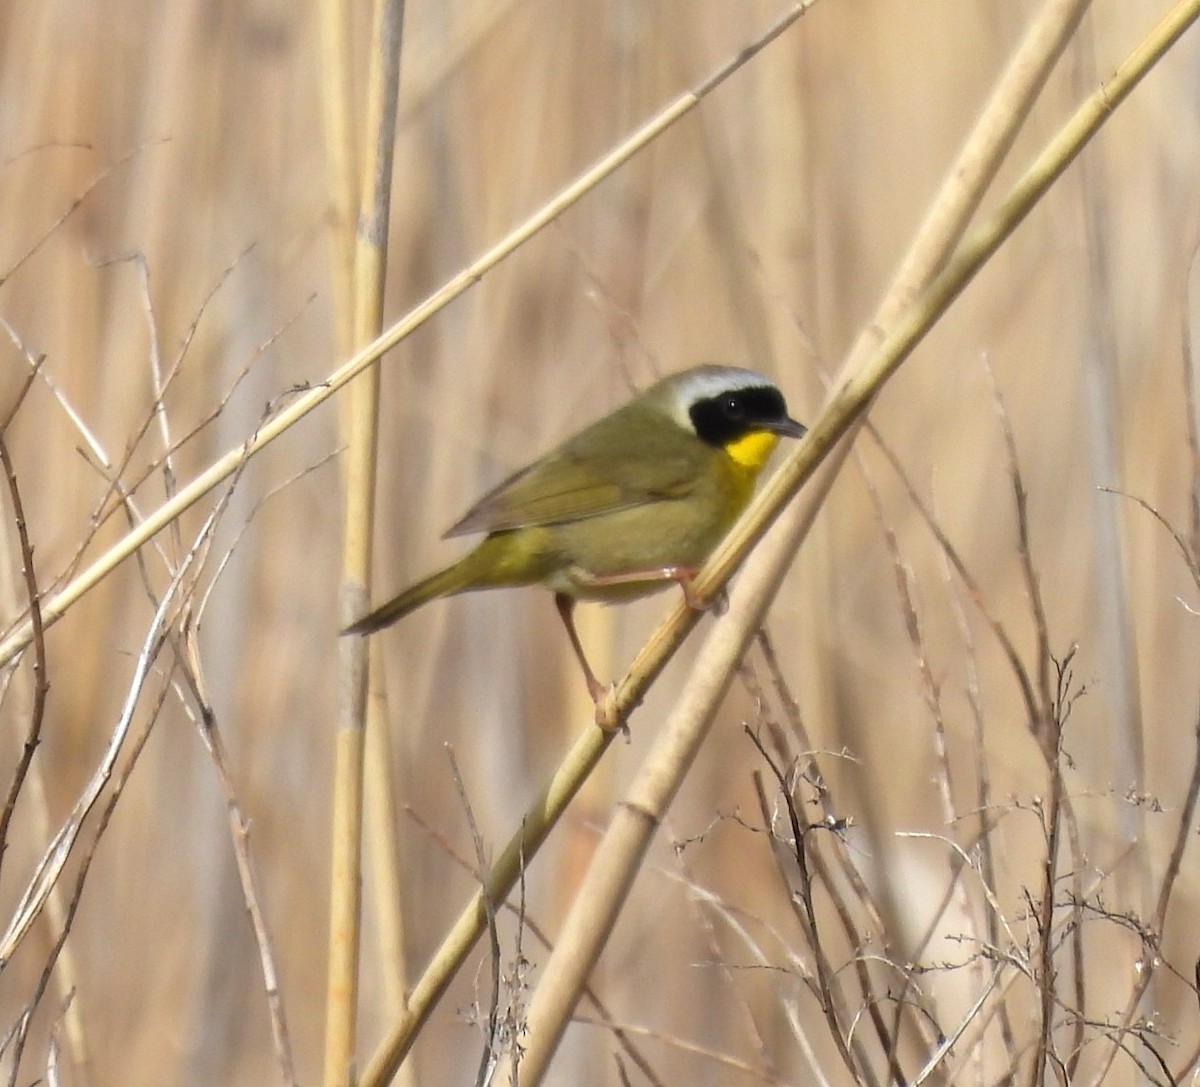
[[341, 155], [360, 424]]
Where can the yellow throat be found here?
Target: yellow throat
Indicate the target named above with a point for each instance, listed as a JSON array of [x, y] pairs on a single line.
[[752, 450]]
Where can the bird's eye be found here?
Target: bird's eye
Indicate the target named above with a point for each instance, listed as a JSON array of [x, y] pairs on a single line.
[[734, 408]]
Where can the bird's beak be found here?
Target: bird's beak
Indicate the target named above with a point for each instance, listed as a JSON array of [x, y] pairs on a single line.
[[787, 428]]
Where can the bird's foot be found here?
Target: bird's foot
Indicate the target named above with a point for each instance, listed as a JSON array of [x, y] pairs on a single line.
[[609, 718], [718, 605]]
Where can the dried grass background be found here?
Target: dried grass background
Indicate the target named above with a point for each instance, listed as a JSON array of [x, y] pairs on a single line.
[[760, 229]]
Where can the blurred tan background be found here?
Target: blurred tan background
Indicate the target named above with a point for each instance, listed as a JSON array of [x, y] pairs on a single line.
[[762, 229]]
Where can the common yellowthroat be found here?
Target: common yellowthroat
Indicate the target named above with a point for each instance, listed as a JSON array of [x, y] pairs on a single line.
[[627, 506]]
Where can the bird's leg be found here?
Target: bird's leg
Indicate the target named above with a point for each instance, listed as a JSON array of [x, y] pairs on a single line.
[[685, 575], [566, 609], [682, 575]]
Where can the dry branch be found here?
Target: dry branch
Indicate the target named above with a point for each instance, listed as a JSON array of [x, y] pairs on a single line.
[[50, 868]]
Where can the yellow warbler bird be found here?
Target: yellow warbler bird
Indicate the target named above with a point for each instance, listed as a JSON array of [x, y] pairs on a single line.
[[632, 503]]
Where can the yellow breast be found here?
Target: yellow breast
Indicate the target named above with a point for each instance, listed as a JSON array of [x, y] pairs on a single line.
[[747, 456]]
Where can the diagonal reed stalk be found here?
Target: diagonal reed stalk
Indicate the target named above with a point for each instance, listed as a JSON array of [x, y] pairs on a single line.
[[622, 850], [851, 399]]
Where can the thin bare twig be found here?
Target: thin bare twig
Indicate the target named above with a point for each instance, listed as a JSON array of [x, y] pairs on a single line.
[[826, 990], [120, 492], [1182, 837], [1181, 543], [188, 660], [50, 867], [247, 523], [716, 906], [948, 1044], [88, 853], [1045, 973], [190, 663], [41, 679], [239, 829], [848, 873], [55, 1043], [970, 583], [606, 1017], [1187, 359], [983, 796], [1040, 725], [704, 903], [683, 1045], [35, 367], [74, 206], [1047, 727], [491, 1042]]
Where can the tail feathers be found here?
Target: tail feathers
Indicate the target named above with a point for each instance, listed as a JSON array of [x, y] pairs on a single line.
[[443, 583]]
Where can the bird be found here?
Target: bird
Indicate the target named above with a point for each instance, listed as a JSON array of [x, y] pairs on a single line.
[[631, 504]]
